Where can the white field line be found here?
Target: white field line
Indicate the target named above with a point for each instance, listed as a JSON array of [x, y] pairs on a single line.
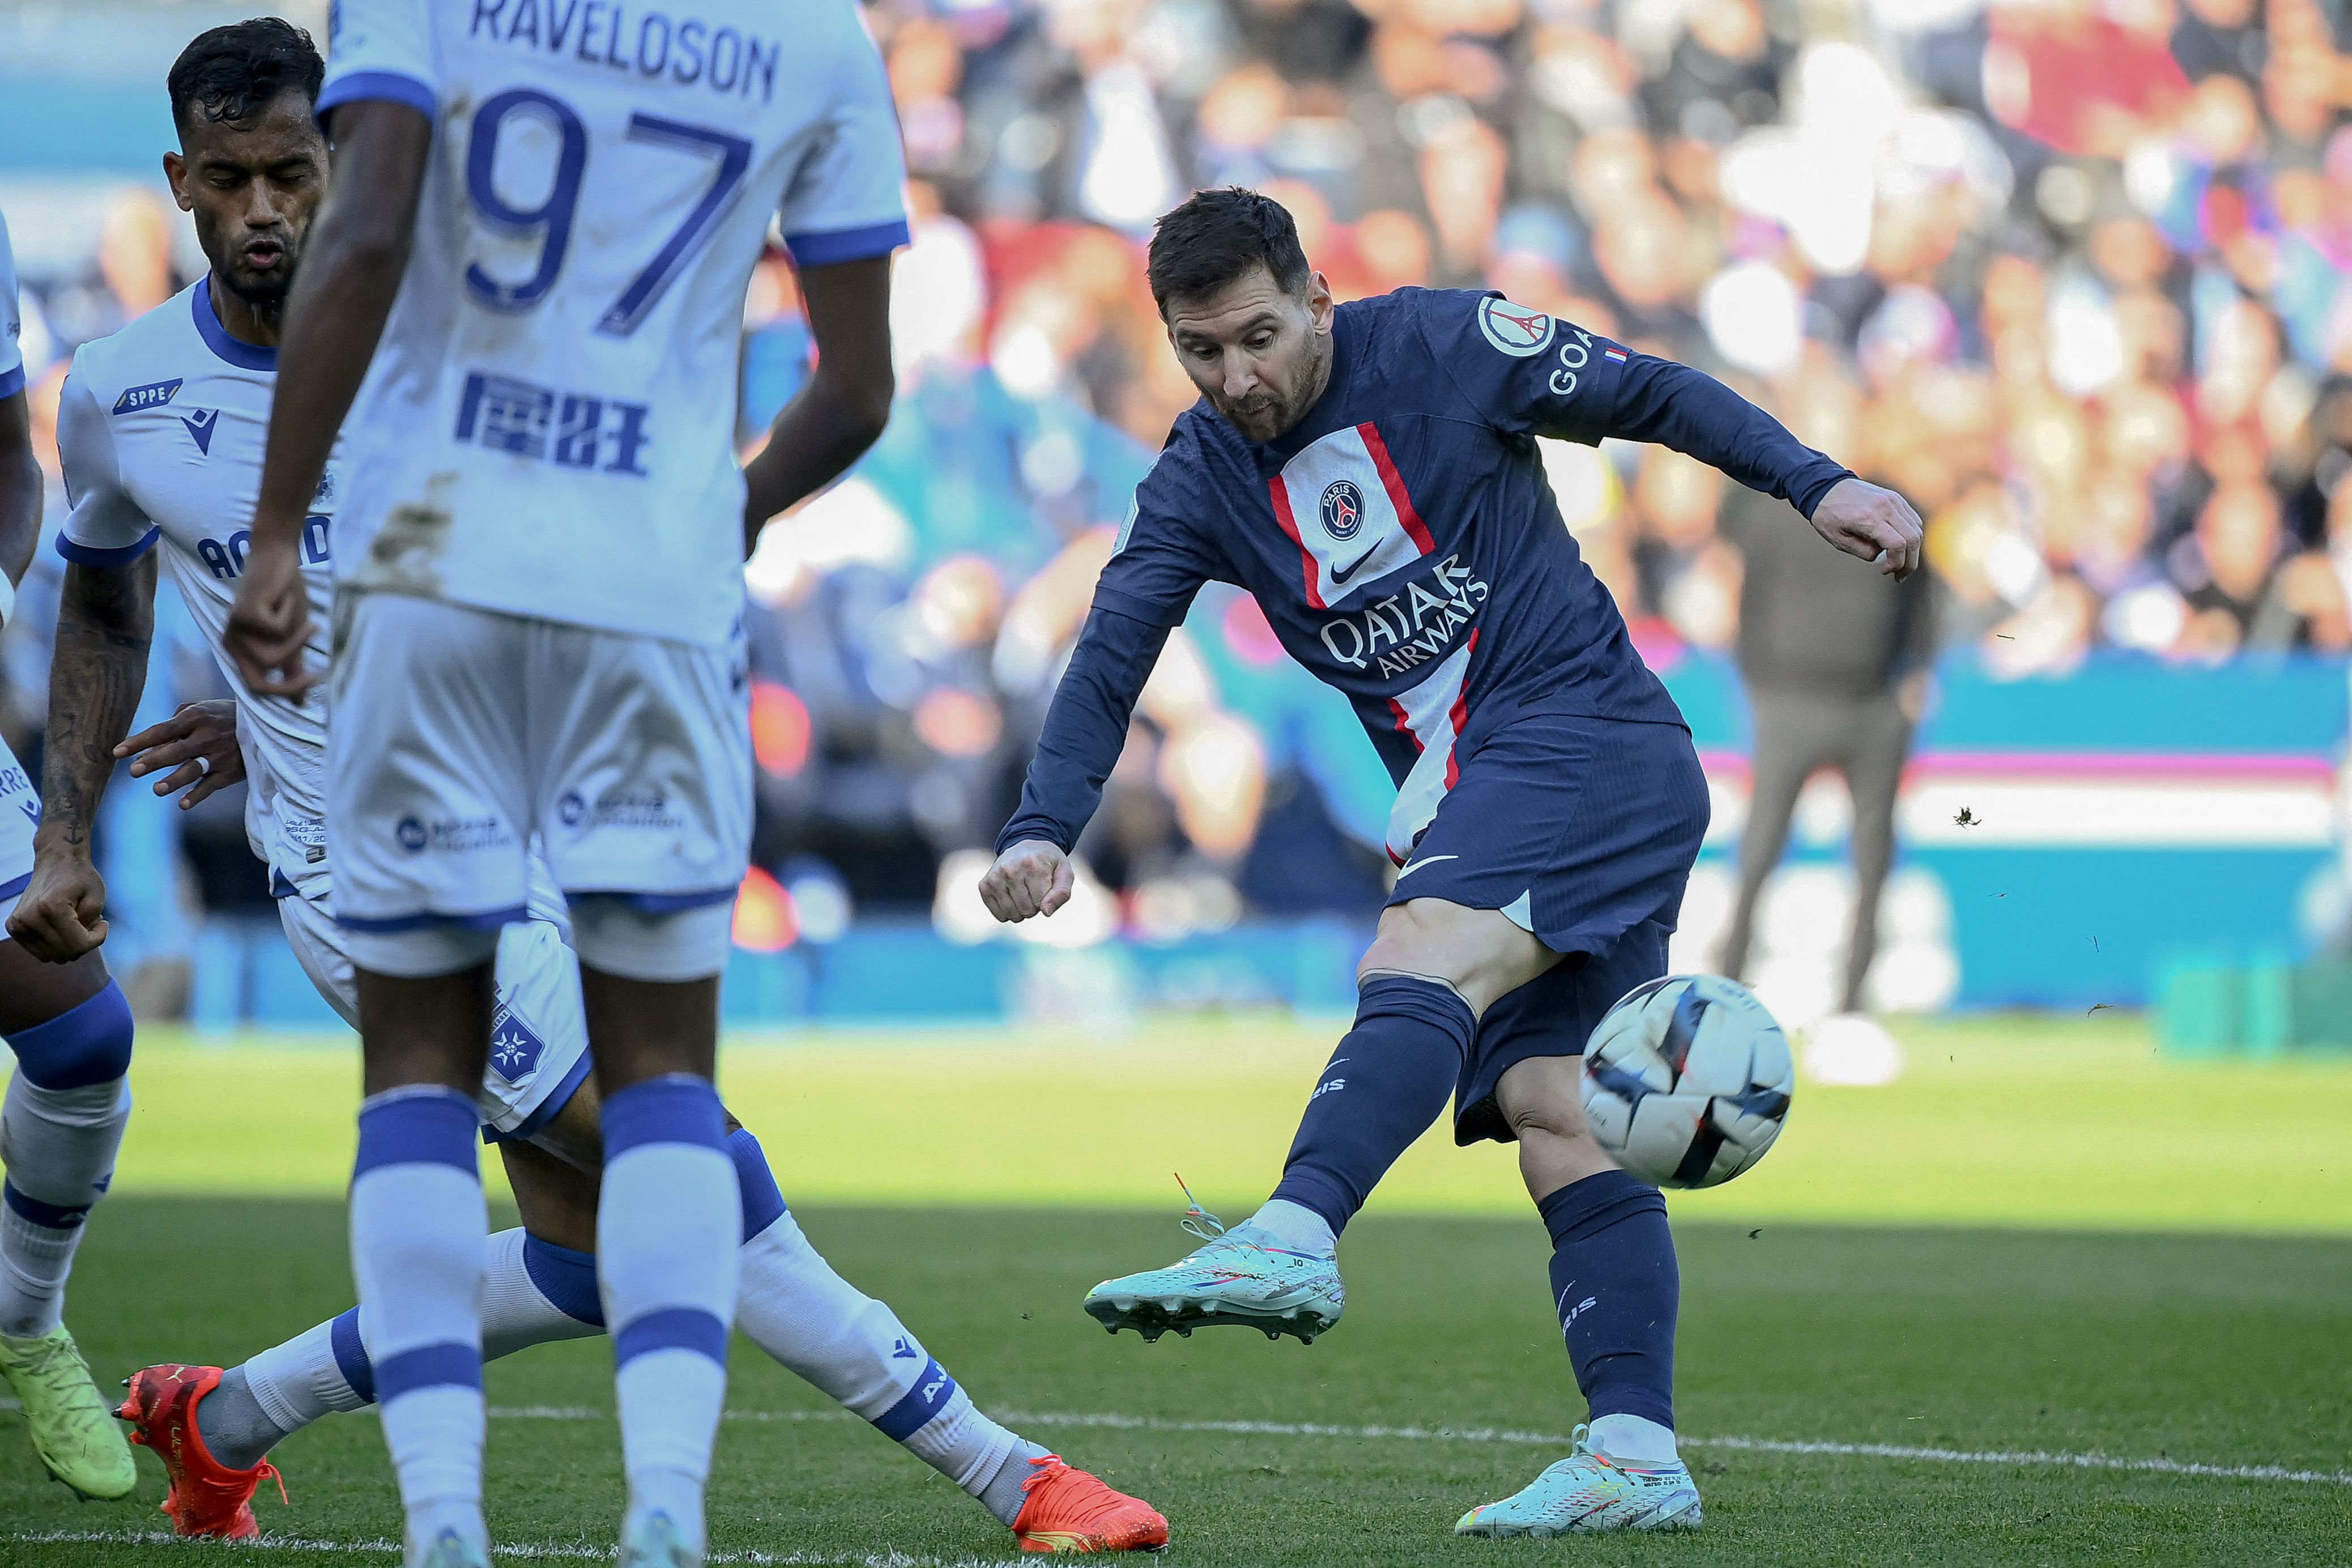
[[580, 1552], [2163, 1465]]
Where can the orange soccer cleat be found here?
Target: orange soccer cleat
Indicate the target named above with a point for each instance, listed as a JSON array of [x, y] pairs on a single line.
[[1070, 1510], [207, 1498]]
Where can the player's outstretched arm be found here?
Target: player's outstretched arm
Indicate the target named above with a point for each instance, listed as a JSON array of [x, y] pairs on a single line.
[[1085, 731], [831, 422], [105, 623], [1658, 400], [351, 268]]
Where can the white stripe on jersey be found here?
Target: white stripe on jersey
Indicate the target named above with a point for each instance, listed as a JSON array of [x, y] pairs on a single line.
[[1432, 713]]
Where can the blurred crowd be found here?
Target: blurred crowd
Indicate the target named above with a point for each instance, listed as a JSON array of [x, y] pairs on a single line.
[[2068, 273]]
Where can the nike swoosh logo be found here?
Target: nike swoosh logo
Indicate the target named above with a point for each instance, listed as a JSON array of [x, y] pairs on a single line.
[[1341, 574], [1417, 865]]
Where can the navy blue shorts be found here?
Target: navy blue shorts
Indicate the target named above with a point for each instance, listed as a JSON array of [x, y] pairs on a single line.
[[1583, 831]]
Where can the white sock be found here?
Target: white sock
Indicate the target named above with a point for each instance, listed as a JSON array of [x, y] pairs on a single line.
[[815, 1322], [418, 1226], [60, 1145], [668, 1232], [1296, 1227], [1634, 1439], [309, 1376], [301, 1381]]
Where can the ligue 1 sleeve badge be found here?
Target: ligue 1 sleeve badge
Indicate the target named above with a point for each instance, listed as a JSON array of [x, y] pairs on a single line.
[[1516, 330]]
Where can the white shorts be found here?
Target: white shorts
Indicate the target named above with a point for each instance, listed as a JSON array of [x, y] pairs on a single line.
[[20, 812], [460, 734], [538, 1035]]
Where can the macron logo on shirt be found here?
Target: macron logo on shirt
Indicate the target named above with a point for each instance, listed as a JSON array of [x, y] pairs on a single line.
[[201, 424], [154, 395]]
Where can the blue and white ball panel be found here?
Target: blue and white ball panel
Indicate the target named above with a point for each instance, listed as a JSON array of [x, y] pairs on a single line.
[[1687, 1080], [465, 735], [539, 1034], [20, 812]]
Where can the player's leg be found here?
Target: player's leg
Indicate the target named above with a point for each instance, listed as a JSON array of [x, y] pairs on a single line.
[[641, 773], [1610, 906], [1436, 963], [1429, 973], [61, 1126], [429, 815]]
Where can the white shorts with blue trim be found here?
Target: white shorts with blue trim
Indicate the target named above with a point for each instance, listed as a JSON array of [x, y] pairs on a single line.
[[539, 1034], [461, 735], [20, 812]]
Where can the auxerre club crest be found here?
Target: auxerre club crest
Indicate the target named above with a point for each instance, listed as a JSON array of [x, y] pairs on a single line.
[[1342, 509], [1516, 330]]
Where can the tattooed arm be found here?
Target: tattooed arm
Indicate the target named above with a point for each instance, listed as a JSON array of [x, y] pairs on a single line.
[[104, 627]]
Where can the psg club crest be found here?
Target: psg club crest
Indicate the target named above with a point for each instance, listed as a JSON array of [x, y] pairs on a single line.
[[1516, 330], [1343, 509]]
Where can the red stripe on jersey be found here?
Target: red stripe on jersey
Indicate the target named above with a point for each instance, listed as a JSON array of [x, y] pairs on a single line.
[[1460, 711], [1404, 724], [1281, 493], [1393, 482]]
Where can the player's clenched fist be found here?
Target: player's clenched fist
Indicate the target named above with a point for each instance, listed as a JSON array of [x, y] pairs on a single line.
[[1033, 878], [61, 914], [1863, 519]]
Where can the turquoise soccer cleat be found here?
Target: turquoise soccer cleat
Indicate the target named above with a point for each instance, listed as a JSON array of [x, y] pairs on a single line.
[[1239, 1278], [1588, 1493], [451, 1550], [655, 1541]]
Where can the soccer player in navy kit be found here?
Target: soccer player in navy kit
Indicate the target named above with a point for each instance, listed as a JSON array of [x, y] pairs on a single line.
[[1369, 473]]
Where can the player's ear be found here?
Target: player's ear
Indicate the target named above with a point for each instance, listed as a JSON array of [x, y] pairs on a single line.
[[175, 171], [1318, 301]]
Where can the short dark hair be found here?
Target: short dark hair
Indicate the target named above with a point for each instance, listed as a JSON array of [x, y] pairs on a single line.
[[232, 73], [1217, 236]]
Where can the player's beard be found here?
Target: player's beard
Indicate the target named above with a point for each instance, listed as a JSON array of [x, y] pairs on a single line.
[[266, 295]]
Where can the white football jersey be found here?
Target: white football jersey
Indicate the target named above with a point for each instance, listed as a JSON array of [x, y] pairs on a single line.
[[12, 319], [20, 808], [547, 428], [162, 428]]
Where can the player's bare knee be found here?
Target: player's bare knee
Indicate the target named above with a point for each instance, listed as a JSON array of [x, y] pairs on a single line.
[[1548, 1119]]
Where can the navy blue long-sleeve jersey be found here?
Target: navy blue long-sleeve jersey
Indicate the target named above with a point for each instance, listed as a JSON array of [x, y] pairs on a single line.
[[1404, 544]]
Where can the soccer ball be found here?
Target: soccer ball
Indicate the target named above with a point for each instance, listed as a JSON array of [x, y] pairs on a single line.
[[1687, 1080]]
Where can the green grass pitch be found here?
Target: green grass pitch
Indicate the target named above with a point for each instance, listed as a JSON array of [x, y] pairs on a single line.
[[1980, 1296]]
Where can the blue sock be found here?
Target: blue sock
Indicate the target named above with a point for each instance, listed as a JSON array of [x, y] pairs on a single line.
[[1616, 1286], [1381, 1088], [417, 1229], [764, 1201], [669, 1243]]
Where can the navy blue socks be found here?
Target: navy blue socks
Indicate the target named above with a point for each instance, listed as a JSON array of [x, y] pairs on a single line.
[[1387, 1082], [1615, 1284]]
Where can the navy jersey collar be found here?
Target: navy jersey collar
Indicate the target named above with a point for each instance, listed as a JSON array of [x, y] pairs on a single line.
[[1331, 410], [235, 351]]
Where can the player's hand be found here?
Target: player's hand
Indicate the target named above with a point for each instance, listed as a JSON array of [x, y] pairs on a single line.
[[1877, 524], [270, 624], [198, 743], [61, 913], [1033, 878]]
